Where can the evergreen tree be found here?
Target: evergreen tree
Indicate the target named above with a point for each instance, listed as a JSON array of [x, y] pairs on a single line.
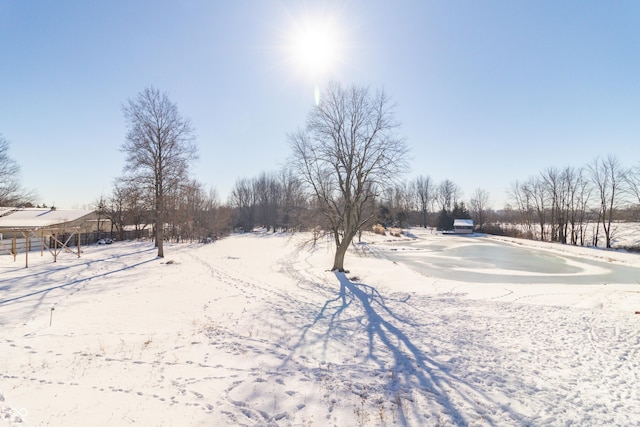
[[460, 211], [445, 220]]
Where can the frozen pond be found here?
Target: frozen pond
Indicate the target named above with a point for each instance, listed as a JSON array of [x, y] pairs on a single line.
[[482, 260]]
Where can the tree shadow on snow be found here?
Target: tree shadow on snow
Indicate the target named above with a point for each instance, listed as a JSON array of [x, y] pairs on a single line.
[[42, 292], [45, 269], [74, 282], [412, 366]]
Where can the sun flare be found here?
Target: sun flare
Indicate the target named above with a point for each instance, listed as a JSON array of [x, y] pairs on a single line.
[[315, 43], [315, 49], [315, 46]]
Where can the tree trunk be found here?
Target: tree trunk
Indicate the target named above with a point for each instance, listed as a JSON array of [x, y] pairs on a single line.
[[341, 248], [160, 229], [338, 261], [160, 241]]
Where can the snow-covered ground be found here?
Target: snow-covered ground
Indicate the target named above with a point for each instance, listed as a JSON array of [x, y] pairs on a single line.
[[253, 330]]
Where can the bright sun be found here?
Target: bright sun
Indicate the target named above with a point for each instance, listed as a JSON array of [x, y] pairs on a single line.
[[315, 49], [315, 44]]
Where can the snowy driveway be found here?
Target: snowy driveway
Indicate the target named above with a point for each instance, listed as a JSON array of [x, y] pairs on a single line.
[[487, 260]]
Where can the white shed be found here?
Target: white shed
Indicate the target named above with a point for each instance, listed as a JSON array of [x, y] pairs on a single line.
[[29, 229], [39, 218], [463, 226]]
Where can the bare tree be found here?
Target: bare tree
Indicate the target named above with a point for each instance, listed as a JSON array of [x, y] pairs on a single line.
[[633, 183], [555, 183], [524, 206], [537, 194], [215, 218], [115, 208], [608, 176], [569, 193], [270, 200], [479, 204], [403, 202], [397, 202], [448, 195], [348, 150], [100, 207], [184, 203], [159, 147], [294, 202], [138, 205], [424, 191], [580, 196], [11, 193], [244, 198], [269, 195], [531, 200]]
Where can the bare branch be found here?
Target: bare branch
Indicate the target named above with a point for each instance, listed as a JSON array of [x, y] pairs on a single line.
[[348, 149], [159, 147]]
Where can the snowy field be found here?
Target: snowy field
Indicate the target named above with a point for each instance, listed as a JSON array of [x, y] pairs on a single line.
[[253, 330]]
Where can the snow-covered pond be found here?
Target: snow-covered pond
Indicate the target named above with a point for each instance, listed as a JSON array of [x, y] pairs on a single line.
[[479, 259]]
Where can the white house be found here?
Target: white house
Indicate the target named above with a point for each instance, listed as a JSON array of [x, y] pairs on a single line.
[[463, 226]]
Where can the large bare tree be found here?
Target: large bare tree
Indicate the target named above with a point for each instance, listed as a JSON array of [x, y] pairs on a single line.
[[159, 147], [348, 149]]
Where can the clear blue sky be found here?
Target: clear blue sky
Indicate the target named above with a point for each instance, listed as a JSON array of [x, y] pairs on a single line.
[[488, 92]]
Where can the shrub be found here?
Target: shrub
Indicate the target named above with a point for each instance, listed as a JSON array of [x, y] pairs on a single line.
[[395, 232], [379, 229]]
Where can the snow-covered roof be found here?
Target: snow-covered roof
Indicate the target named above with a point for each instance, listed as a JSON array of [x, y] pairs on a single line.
[[463, 222], [39, 217]]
